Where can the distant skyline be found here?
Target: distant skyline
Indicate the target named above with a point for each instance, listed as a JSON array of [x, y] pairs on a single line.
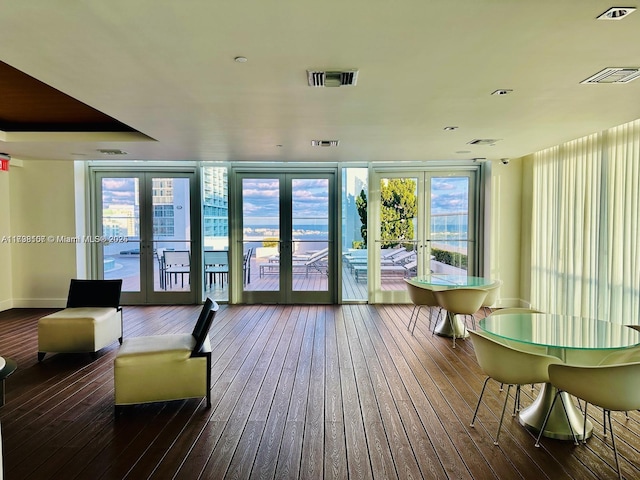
[[310, 201]]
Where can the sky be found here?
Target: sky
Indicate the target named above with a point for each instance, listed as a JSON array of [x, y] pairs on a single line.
[[310, 200]]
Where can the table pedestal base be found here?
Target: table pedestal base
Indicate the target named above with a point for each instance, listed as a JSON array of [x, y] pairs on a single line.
[[557, 426], [445, 328]]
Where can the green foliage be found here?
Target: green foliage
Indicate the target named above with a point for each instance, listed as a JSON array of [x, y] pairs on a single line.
[[358, 245], [450, 258], [361, 205], [398, 210]]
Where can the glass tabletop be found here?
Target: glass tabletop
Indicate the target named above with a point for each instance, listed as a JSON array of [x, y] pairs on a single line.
[[452, 280], [560, 331]]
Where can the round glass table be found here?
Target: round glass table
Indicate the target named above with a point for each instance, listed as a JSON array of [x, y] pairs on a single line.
[[7, 367], [559, 334], [450, 324]]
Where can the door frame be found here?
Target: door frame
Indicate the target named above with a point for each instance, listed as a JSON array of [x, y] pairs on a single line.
[[284, 295], [147, 294], [422, 239]]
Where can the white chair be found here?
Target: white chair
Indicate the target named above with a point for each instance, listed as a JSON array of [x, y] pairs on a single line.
[[610, 386], [176, 262], [508, 366], [460, 301], [492, 296], [421, 296]]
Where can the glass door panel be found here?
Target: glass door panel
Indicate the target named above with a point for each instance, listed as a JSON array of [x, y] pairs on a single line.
[[398, 238], [120, 210], [261, 234], [171, 234], [310, 234], [449, 226]]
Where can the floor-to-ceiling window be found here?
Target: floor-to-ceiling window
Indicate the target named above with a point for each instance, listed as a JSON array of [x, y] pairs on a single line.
[[585, 226]]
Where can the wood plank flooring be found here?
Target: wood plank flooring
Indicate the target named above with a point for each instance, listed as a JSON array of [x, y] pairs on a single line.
[[310, 392]]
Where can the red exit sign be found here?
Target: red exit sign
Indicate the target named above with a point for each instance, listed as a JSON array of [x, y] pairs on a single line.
[[4, 165]]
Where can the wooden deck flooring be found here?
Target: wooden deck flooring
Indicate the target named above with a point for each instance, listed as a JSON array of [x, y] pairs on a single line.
[[342, 392]]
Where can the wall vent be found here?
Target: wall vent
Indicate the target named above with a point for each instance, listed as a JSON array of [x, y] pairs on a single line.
[[325, 143], [614, 75], [322, 78], [483, 141]]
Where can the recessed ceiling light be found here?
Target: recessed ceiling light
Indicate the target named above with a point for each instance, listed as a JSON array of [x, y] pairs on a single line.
[[241, 59], [502, 91], [325, 143], [616, 13], [450, 128], [484, 141]]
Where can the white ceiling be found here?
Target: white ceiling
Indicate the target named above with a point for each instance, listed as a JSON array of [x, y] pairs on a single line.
[[166, 68]]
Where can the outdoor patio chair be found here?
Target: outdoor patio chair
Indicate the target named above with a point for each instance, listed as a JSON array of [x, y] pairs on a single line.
[[176, 263]]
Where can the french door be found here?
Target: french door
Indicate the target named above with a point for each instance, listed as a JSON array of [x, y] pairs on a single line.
[[422, 222], [151, 239], [286, 237]]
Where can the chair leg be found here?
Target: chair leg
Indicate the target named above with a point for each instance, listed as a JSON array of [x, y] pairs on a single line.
[[504, 407], [566, 414], [546, 418], [584, 424], [475, 414], [415, 307], [607, 414]]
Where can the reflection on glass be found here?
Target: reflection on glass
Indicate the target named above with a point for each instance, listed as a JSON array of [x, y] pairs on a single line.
[[121, 219]]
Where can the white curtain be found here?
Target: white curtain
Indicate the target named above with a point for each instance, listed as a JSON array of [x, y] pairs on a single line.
[[586, 233]]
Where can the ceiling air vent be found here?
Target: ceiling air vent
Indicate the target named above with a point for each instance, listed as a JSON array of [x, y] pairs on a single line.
[[614, 75], [325, 143], [483, 141], [318, 78], [112, 151]]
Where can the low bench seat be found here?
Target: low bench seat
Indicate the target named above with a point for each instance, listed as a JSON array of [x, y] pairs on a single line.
[[91, 321]]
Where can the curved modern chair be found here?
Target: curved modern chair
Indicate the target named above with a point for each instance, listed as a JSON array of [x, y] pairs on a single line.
[[492, 296], [508, 366], [421, 296], [610, 386], [460, 301]]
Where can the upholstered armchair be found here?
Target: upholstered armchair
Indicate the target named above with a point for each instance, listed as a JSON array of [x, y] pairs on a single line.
[[166, 367]]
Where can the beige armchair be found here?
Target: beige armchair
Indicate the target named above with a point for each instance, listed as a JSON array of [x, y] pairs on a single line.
[[166, 367], [91, 321]]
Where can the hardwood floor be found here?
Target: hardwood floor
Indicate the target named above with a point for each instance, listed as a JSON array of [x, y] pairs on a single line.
[[340, 392]]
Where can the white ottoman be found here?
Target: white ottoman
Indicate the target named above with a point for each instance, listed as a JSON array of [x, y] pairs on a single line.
[[79, 330]]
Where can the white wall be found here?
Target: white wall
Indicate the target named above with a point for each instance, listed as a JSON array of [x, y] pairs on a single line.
[[41, 203], [506, 231], [6, 293]]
